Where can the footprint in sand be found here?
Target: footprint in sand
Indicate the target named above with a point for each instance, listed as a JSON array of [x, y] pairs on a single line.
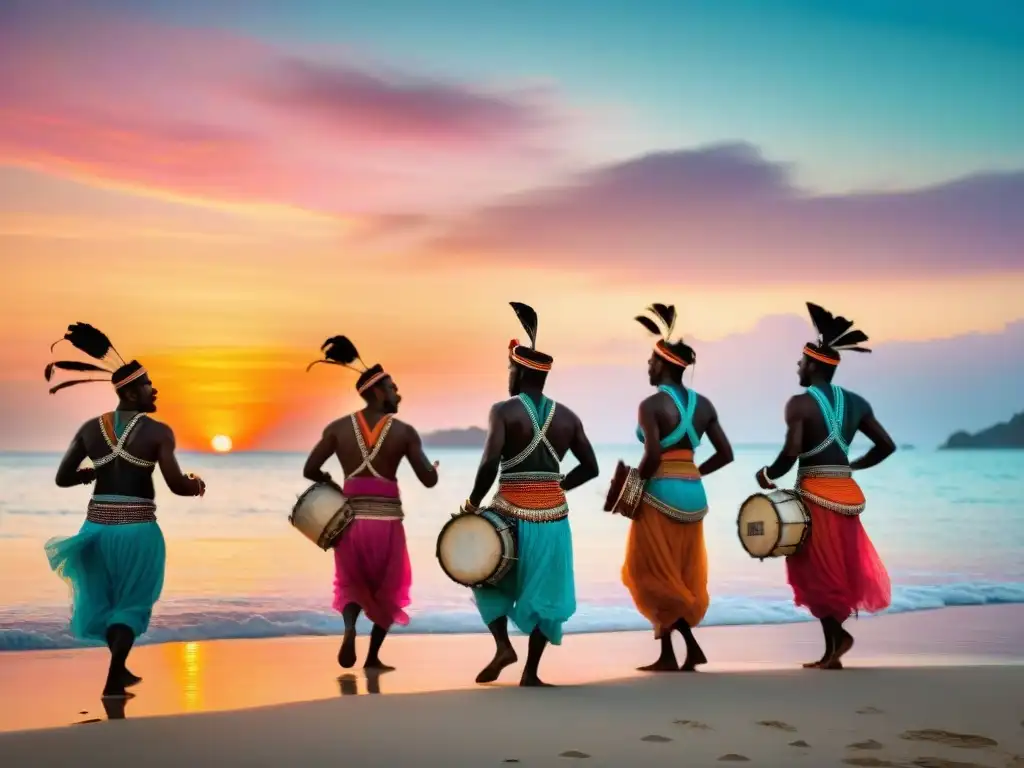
[[510, 760], [732, 757], [950, 739], [938, 762], [870, 762], [574, 753], [656, 738], [869, 744], [695, 724], [778, 725], [870, 711], [800, 743]]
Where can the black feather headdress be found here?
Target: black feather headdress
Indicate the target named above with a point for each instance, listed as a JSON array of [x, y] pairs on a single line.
[[675, 352], [528, 357], [98, 346], [339, 350], [834, 336]]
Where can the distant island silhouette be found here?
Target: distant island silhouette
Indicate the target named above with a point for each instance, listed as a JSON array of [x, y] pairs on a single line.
[[468, 437], [1009, 434]]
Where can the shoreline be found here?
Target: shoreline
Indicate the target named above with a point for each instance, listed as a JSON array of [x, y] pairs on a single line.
[[61, 687]]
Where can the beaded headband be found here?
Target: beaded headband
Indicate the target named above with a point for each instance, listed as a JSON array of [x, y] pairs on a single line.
[[666, 323], [517, 352], [339, 350], [96, 345], [834, 335], [528, 357]]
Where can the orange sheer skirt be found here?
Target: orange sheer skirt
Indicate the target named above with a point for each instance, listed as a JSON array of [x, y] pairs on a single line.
[[666, 567]]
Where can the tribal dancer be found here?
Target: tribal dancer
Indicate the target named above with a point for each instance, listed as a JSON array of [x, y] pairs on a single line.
[[837, 572], [527, 439], [372, 572], [666, 567], [115, 563]]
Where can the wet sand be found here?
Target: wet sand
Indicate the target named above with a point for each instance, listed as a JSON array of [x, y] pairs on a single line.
[[912, 680]]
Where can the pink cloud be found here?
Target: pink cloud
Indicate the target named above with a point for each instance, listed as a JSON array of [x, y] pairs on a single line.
[[208, 113], [725, 213]]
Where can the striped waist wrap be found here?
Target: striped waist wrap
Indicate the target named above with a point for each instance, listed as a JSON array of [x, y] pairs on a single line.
[[831, 487], [376, 508], [126, 511], [535, 497]]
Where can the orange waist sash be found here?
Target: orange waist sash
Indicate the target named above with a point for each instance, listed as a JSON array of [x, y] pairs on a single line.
[[838, 494], [536, 497]]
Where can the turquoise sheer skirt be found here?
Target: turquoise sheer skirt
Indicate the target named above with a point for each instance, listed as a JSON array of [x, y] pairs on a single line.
[[116, 574], [540, 590]]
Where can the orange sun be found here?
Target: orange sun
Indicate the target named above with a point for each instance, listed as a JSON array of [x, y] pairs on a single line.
[[221, 443]]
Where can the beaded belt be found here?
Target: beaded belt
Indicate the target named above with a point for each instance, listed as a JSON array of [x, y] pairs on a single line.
[[825, 470], [535, 497], [116, 513], [679, 515], [376, 508]]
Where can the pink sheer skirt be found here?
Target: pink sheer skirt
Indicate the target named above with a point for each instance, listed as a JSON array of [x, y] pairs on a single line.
[[837, 572], [371, 561]]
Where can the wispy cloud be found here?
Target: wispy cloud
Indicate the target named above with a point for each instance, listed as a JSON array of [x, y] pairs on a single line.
[[726, 213], [211, 114]]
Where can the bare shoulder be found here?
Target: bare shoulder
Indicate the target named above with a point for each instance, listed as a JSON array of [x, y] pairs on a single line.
[[337, 424], [565, 412], [158, 431], [653, 400], [704, 405], [403, 428], [799, 405], [859, 402]]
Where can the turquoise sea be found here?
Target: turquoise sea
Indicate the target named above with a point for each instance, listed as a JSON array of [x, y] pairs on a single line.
[[949, 526]]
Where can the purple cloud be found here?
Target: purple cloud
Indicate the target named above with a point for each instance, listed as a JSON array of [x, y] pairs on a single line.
[[725, 212]]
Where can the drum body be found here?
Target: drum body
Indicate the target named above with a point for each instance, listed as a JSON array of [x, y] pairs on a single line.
[[478, 548], [625, 492], [321, 514], [773, 524]]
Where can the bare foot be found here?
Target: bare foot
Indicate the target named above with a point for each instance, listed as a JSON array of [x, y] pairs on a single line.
[[842, 648], [694, 658], [661, 665], [128, 679], [503, 657], [532, 681], [376, 665], [347, 653]]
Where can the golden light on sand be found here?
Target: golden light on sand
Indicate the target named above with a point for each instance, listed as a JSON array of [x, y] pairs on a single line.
[[221, 443]]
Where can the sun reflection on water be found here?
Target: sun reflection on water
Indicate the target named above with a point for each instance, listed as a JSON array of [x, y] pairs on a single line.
[[192, 698]]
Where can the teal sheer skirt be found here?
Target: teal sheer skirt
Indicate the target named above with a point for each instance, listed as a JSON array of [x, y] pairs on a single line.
[[540, 590], [116, 575]]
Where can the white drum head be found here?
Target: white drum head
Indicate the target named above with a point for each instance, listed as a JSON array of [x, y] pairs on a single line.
[[758, 526], [470, 549]]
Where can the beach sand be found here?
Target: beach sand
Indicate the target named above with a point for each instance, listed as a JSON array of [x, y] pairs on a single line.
[[942, 689]]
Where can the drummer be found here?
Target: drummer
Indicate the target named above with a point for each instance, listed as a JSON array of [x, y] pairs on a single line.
[[373, 574], [527, 439], [837, 571], [666, 569]]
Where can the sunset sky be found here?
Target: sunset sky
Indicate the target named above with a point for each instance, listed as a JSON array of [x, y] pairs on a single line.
[[222, 185]]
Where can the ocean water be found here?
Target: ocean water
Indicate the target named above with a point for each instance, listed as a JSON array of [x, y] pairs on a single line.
[[949, 526]]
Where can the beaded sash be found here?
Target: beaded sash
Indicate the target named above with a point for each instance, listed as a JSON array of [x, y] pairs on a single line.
[[535, 497], [120, 513], [117, 450], [376, 508], [369, 454]]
